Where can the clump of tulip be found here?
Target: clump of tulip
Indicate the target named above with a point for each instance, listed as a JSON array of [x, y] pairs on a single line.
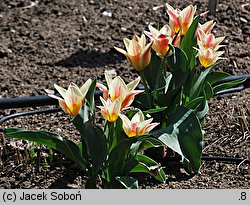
[[176, 70]]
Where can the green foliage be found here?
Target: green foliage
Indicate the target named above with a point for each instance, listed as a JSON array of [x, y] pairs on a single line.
[[93, 141], [52, 140], [183, 135], [149, 166], [189, 41]]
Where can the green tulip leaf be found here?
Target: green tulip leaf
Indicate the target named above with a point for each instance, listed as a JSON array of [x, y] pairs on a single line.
[[226, 85], [93, 138], [149, 166], [189, 41], [52, 140], [128, 182], [215, 76], [184, 136]]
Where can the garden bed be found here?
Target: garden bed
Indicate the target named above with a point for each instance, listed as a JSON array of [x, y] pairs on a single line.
[[70, 41]]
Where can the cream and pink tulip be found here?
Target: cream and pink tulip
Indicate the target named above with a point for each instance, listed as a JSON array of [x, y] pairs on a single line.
[[206, 28], [116, 88], [180, 20], [209, 40], [161, 39], [110, 109], [138, 52], [208, 57], [137, 125], [73, 98]]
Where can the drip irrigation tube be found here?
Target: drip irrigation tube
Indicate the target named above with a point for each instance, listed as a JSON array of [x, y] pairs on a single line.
[[34, 101], [27, 113], [229, 159]]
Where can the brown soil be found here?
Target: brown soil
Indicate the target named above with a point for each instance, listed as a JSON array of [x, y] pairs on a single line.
[[62, 41]]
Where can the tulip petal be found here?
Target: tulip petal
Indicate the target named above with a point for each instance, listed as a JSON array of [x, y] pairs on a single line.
[[129, 127], [208, 26], [85, 87], [114, 109], [146, 56], [64, 107], [150, 35], [186, 18], [154, 31], [149, 127], [117, 89], [60, 89], [130, 98], [174, 21], [133, 84], [134, 48], [55, 97], [104, 89], [126, 43], [217, 41], [121, 51], [138, 117]]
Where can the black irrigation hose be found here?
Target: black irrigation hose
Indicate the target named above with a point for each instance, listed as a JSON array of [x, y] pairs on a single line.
[[34, 101], [229, 159], [27, 113]]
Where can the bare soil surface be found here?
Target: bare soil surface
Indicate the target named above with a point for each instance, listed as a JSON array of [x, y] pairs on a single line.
[[46, 42]]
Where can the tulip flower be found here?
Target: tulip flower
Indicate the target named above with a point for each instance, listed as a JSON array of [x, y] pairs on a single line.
[[137, 125], [161, 38], [110, 109], [209, 41], [206, 28], [118, 89], [208, 57], [138, 53], [180, 20], [73, 98]]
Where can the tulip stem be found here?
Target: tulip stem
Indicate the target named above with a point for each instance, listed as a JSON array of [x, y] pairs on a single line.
[[146, 88], [162, 70], [112, 138]]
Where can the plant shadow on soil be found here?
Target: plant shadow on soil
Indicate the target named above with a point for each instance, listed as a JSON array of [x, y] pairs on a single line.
[[90, 59], [70, 176]]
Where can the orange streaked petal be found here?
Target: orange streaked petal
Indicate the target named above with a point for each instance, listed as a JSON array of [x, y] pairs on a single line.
[[130, 98], [149, 127], [174, 21], [117, 89], [104, 89]]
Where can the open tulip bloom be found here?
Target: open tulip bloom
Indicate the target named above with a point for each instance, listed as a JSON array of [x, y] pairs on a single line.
[[72, 99], [178, 79], [116, 88], [137, 125], [110, 109], [138, 52], [206, 28], [208, 56], [180, 20], [209, 40]]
